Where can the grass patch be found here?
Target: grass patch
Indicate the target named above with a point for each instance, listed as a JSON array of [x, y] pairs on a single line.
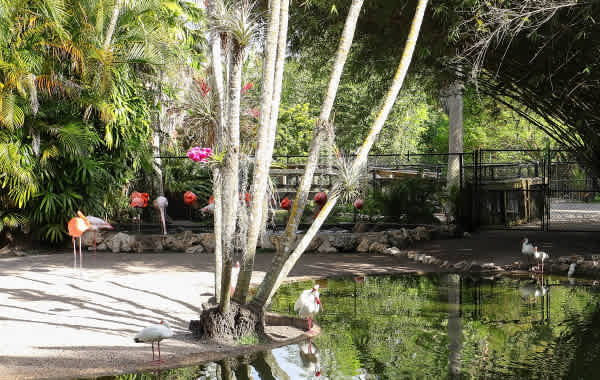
[[248, 340]]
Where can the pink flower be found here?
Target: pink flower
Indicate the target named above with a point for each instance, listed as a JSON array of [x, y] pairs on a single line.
[[247, 87], [198, 154]]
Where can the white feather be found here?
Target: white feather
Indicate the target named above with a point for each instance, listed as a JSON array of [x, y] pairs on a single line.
[[306, 305], [571, 270], [527, 247], [154, 333]]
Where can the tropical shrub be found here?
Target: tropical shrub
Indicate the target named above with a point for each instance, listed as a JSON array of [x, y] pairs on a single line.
[[411, 200]]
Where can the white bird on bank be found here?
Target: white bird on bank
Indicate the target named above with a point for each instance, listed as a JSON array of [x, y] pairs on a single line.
[[571, 271], [308, 304], [527, 248], [154, 333], [97, 224], [235, 273], [161, 203], [540, 256]]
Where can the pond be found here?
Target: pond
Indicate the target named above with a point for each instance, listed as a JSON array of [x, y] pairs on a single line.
[[433, 326]]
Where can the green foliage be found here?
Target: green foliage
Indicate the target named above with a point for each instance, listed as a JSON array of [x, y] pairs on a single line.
[[414, 200], [294, 130]]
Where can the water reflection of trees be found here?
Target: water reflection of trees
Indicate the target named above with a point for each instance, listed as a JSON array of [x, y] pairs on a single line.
[[408, 327]]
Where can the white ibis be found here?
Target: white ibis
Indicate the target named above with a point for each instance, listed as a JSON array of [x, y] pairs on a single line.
[[308, 304], [161, 205], [527, 248], [97, 224], [571, 270], [154, 333], [310, 356], [210, 207], [77, 227], [235, 273], [540, 256]]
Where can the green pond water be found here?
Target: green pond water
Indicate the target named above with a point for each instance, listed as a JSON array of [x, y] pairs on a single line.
[[432, 327]]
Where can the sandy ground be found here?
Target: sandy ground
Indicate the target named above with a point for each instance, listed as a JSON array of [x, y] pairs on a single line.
[[61, 322]]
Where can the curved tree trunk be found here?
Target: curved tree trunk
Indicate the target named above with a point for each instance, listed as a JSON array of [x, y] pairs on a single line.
[[318, 132], [275, 48], [230, 172], [217, 85], [282, 263]]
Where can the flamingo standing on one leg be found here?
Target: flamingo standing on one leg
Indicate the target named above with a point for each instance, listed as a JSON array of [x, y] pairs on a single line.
[[97, 224], [161, 204], [77, 227], [210, 207], [154, 333], [308, 304]]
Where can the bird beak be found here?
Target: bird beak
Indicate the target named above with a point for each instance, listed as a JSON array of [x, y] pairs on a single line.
[[109, 227]]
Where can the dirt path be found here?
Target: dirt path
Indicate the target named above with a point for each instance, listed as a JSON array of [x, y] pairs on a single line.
[[56, 321]]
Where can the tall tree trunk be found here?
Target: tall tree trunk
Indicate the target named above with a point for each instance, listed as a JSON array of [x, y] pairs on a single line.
[[274, 51], [283, 263], [217, 85], [452, 102], [230, 170], [113, 23], [318, 132]]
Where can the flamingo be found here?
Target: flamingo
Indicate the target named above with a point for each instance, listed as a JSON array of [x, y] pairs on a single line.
[[527, 248], [310, 356], [77, 227], [235, 272], [308, 304], [97, 224], [154, 333], [540, 256], [161, 204]]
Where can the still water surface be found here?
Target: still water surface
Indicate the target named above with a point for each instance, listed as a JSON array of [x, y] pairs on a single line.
[[432, 327]]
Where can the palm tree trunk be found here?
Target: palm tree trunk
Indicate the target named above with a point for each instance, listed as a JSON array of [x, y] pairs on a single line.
[[217, 85], [318, 132], [231, 165], [282, 263], [274, 50], [113, 23]]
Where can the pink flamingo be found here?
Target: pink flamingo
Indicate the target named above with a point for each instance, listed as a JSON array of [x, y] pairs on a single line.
[[161, 204], [97, 224], [77, 227]]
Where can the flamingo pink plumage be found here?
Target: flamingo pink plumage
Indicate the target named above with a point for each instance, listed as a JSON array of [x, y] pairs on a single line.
[[77, 227]]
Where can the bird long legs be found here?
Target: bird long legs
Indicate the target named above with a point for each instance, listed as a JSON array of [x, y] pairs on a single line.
[[159, 361]]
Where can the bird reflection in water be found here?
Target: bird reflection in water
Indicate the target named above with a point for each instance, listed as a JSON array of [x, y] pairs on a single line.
[[310, 356]]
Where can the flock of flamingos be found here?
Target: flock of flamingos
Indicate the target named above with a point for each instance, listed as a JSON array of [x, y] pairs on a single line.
[[307, 304]]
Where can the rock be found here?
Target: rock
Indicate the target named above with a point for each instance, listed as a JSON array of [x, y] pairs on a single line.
[[87, 239], [460, 265], [121, 242], [314, 244], [208, 241], [398, 238], [420, 233], [377, 247], [466, 235], [411, 255], [195, 249], [392, 251], [363, 246], [344, 242], [19, 253], [326, 247], [6, 250], [360, 228], [564, 259], [444, 264]]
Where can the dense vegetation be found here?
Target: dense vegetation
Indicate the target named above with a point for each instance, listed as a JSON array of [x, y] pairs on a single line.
[[91, 90]]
